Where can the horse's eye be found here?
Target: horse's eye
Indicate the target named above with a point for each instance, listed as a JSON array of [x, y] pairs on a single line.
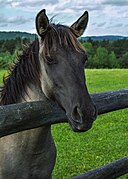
[[49, 60]]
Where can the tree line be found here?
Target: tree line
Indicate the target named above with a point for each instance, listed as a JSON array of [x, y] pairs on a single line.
[[10, 49], [106, 54], [101, 54]]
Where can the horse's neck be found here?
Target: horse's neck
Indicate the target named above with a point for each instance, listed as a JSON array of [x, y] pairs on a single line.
[[26, 154], [30, 141], [37, 136], [33, 138], [33, 93]]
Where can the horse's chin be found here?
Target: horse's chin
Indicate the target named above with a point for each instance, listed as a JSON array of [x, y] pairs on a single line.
[[80, 127]]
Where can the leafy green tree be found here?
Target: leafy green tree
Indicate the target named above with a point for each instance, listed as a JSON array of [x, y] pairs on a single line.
[[102, 55], [113, 62], [94, 62], [6, 60], [124, 61], [89, 48]]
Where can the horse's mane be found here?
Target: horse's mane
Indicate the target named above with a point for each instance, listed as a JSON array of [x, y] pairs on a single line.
[[25, 71], [27, 68]]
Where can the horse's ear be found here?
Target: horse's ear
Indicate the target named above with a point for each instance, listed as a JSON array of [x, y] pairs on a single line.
[[80, 25], [42, 23]]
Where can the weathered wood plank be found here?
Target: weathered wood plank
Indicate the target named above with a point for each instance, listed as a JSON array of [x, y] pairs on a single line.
[[19, 117], [109, 171], [111, 100]]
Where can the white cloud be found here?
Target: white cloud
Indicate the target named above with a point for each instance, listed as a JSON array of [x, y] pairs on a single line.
[[102, 13], [101, 24], [116, 2], [31, 3], [15, 20], [4, 3]]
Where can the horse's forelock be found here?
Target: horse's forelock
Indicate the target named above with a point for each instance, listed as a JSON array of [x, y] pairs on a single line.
[[60, 36]]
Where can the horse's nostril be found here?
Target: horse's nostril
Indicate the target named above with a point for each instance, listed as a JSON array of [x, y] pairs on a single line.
[[76, 114], [80, 116]]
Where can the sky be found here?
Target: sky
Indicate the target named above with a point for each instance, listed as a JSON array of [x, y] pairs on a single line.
[[106, 17]]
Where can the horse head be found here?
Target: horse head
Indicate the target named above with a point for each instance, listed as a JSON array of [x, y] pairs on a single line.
[[62, 60]]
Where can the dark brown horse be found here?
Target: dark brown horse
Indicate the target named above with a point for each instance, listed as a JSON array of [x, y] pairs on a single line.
[[52, 67]]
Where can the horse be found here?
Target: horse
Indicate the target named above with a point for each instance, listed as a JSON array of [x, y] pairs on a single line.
[[52, 67]]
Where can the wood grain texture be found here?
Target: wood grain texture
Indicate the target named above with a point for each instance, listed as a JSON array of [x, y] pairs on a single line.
[[18, 117]]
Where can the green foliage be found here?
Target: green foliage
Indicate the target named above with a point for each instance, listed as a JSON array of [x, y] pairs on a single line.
[[102, 57], [89, 48], [9, 50], [13, 44], [8, 45], [124, 61], [113, 63], [106, 54], [5, 60]]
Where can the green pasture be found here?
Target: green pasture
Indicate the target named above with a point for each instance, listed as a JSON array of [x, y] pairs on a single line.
[[105, 142]]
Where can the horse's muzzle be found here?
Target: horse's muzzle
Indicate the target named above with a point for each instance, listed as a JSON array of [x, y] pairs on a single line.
[[81, 121]]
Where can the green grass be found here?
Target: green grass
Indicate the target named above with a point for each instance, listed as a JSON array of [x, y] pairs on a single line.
[[2, 73], [105, 142], [106, 80]]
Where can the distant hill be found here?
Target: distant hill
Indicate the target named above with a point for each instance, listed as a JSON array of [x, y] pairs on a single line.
[[105, 37], [13, 35]]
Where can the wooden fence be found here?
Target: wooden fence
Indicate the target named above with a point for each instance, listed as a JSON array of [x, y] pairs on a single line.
[[18, 117]]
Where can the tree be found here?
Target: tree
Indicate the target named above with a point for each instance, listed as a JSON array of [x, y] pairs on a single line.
[[113, 62], [102, 55], [124, 61]]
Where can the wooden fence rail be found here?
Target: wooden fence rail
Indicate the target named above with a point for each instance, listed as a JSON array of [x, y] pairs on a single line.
[[18, 117], [109, 171]]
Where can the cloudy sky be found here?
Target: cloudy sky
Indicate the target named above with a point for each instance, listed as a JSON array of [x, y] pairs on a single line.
[[105, 16]]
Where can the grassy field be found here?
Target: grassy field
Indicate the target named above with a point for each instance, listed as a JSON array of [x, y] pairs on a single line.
[[105, 142]]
